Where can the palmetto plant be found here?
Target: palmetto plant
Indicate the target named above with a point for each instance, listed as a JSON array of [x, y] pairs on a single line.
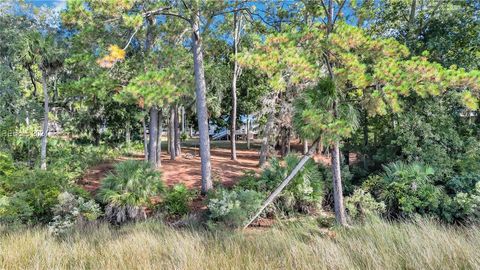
[[128, 190]]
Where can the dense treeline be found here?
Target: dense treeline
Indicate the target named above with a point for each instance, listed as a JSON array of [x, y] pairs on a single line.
[[387, 90]]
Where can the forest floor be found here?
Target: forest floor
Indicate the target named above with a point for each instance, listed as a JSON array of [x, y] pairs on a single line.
[[186, 168]]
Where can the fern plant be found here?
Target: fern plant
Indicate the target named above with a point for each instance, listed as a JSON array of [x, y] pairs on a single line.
[[129, 190]]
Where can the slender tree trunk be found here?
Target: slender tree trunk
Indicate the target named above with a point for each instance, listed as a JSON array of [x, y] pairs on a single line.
[[172, 133], [236, 71], [248, 132], [43, 148], [265, 141], [183, 120], [365, 140], [159, 139], [178, 145], [152, 148], [285, 182], [127, 133], [201, 103], [335, 150], [337, 185], [145, 138], [305, 146]]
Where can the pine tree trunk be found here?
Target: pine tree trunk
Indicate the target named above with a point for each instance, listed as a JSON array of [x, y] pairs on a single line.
[[145, 139], [43, 148], [201, 103], [178, 145], [248, 132], [127, 133], [233, 116], [152, 148], [337, 185], [172, 133], [159, 139], [265, 141]]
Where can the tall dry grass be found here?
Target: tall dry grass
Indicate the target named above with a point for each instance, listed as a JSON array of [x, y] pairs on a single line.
[[376, 245]]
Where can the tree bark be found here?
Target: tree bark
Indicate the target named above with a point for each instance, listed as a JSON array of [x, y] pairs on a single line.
[[145, 139], [248, 132], [285, 182], [43, 148], [365, 140], [201, 103], [127, 133], [305, 146], [337, 185], [172, 133], [178, 145], [265, 141], [159, 139], [236, 71], [152, 148]]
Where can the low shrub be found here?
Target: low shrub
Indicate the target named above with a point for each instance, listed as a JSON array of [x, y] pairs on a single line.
[[177, 199], [129, 190], [70, 212], [233, 207], [407, 189], [361, 205], [304, 193], [6, 164], [29, 196]]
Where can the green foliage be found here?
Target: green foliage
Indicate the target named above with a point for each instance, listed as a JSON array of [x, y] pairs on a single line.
[[304, 194], [129, 189], [71, 212], [233, 207], [408, 189], [176, 200], [6, 165], [361, 205], [29, 196]]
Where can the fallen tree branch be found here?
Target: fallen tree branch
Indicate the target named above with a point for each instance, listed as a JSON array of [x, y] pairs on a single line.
[[285, 182]]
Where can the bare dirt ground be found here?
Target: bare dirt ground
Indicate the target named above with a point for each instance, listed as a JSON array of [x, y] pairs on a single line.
[[185, 170]]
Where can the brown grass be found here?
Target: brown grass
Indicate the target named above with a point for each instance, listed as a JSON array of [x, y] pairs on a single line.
[[377, 245]]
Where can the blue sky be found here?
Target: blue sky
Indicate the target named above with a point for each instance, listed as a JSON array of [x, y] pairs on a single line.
[[56, 4]]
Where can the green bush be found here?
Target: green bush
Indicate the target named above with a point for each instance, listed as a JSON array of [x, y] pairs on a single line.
[[29, 196], [72, 211], [408, 189], [177, 199], [361, 205], [129, 190], [304, 193], [6, 164], [233, 207]]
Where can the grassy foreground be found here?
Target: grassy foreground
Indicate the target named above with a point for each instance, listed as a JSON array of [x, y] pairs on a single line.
[[377, 245]]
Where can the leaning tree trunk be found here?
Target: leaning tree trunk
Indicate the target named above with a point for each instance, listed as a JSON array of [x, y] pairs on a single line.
[[145, 138], [171, 131], [201, 103], [43, 148], [337, 185], [285, 182], [178, 145], [265, 141], [152, 148]]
